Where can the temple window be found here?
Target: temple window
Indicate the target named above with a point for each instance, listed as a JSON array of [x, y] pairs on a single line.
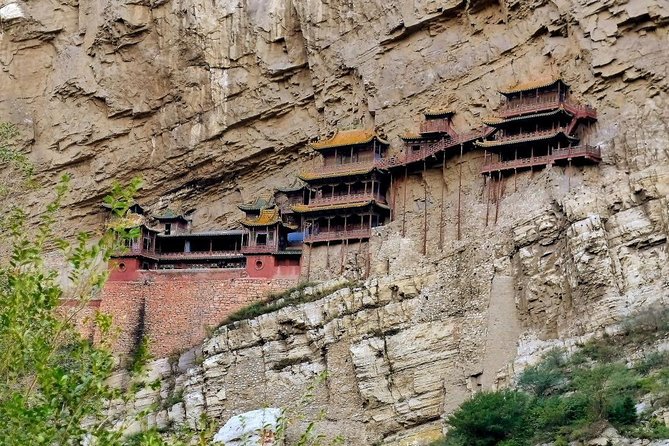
[[261, 239], [168, 228]]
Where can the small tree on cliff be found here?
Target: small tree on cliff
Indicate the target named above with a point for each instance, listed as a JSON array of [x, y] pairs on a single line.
[[53, 382]]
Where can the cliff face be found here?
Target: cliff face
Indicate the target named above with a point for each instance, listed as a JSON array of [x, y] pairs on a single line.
[[212, 102]]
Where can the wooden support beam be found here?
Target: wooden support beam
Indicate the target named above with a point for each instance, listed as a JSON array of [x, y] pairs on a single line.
[[424, 210], [499, 194], [404, 203], [487, 204], [460, 195], [441, 206]]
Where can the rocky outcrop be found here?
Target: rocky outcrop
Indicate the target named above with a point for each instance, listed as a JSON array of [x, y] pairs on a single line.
[[211, 102], [214, 101]]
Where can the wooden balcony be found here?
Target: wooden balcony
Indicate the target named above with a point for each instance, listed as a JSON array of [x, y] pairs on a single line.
[[329, 236], [530, 135], [341, 169], [435, 126], [517, 107], [213, 255], [545, 103], [259, 249], [193, 255], [348, 198], [584, 152]]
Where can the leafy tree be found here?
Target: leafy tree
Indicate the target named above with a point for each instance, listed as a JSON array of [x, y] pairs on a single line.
[[53, 382]]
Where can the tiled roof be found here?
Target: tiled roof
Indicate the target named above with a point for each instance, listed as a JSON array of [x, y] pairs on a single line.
[[495, 120], [257, 204], [347, 138], [532, 85], [439, 113], [522, 140], [410, 136], [304, 208], [314, 175], [296, 186], [169, 214], [267, 217]]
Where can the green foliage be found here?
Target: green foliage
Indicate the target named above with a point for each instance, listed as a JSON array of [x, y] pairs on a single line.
[[53, 382], [140, 357], [492, 418], [275, 302], [546, 378], [653, 361], [570, 398], [621, 411], [9, 155]]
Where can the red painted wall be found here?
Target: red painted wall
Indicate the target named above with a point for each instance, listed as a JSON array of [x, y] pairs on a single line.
[[124, 268], [174, 308], [268, 266]]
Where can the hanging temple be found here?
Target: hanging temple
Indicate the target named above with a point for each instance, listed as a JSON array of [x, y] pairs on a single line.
[[350, 193]]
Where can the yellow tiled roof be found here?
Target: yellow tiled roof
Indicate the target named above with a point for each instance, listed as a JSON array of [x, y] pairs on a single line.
[[439, 112], [267, 217], [306, 176], [532, 85], [495, 120], [410, 136], [347, 138], [492, 120], [301, 208]]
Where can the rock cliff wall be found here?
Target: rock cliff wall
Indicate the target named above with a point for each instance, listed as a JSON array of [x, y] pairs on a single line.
[[214, 101]]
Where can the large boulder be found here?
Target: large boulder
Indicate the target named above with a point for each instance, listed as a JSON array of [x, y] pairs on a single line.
[[254, 428]]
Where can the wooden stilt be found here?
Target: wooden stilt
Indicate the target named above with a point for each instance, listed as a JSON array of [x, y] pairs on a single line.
[[460, 195], [487, 204], [327, 254], [391, 192], [424, 211], [441, 207], [404, 203], [309, 262], [344, 249], [499, 194]]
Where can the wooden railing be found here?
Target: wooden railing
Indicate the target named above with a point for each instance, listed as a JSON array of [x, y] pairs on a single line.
[[578, 151], [347, 198], [584, 151], [428, 149], [341, 168], [519, 106], [545, 102], [326, 236], [435, 126], [197, 254], [258, 249], [526, 135]]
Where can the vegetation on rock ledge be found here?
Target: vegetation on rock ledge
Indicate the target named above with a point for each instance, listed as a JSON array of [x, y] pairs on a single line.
[[569, 397]]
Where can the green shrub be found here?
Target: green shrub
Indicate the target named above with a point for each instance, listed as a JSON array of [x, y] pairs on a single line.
[[546, 378], [491, 418], [277, 301], [621, 410], [600, 350], [653, 361]]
